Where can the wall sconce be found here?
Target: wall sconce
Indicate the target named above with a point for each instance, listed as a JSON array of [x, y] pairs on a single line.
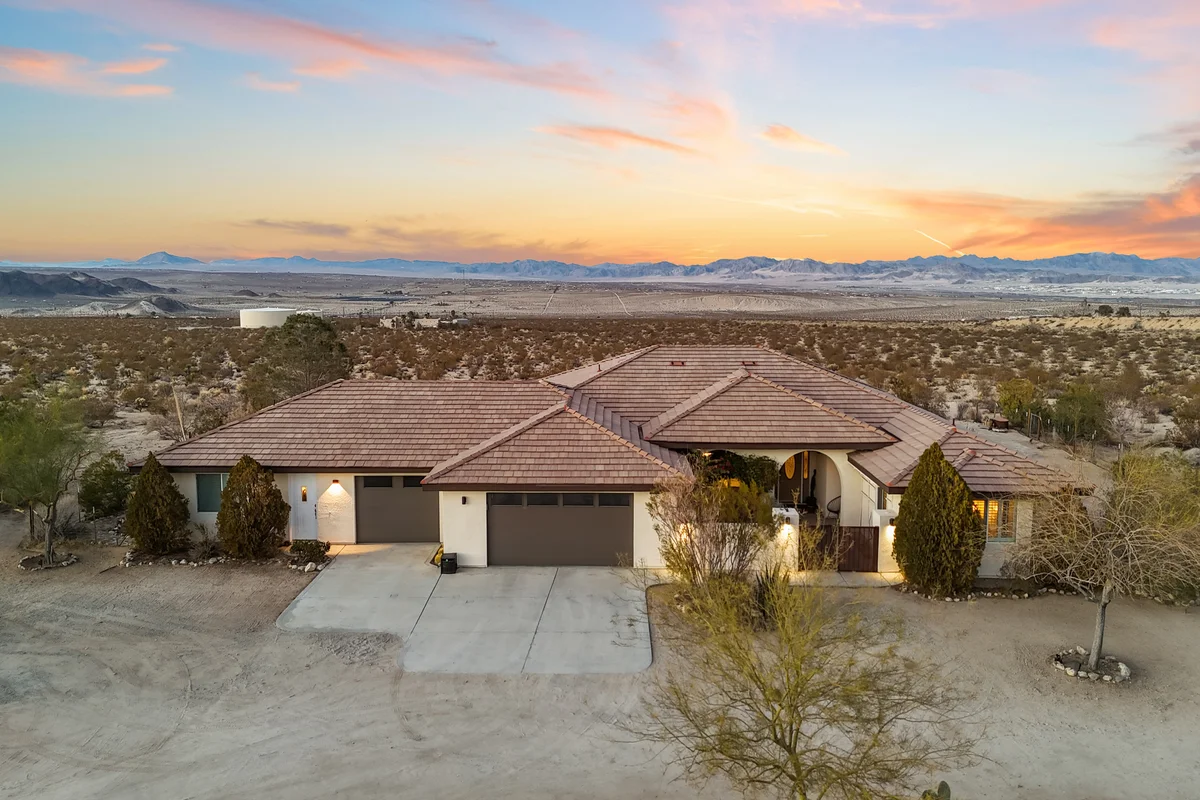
[[890, 533], [786, 530], [336, 482], [335, 486], [464, 499], [303, 494]]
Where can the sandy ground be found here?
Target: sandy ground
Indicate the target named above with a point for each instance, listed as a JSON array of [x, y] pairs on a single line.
[[174, 682]]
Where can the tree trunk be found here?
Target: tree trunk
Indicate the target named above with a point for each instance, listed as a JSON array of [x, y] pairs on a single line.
[[32, 533], [1098, 637], [48, 555]]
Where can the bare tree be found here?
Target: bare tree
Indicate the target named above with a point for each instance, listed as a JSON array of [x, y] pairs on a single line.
[[821, 704], [707, 530], [1141, 536]]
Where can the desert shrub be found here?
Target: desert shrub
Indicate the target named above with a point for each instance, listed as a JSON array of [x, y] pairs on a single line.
[[310, 550], [1081, 413], [205, 546], [1187, 424], [105, 485], [158, 513], [724, 464], [253, 519], [1104, 310], [96, 410], [939, 537], [918, 391]]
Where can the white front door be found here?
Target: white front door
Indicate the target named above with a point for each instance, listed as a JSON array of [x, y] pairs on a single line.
[[302, 496]]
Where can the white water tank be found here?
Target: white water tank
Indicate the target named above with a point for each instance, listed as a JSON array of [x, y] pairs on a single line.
[[265, 317]]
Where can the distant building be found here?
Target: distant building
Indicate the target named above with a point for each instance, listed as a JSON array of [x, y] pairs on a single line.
[[423, 322]]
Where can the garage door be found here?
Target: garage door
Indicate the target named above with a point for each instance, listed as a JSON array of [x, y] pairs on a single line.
[[394, 508], [560, 530]]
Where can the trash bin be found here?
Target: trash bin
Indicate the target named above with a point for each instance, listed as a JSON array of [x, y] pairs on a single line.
[[449, 563]]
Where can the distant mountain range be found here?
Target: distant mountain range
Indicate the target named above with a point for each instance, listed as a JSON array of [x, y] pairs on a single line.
[[1078, 268], [16, 283]]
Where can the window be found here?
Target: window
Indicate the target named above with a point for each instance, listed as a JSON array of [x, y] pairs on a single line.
[[412, 481], [504, 499], [208, 490], [616, 500], [579, 499], [881, 497], [377, 481], [541, 499], [999, 519]]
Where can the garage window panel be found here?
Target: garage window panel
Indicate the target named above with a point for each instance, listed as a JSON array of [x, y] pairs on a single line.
[[541, 499], [616, 500], [377, 481], [412, 481], [578, 499], [505, 499]]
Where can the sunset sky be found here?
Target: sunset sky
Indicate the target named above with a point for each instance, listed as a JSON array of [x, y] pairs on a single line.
[[686, 130]]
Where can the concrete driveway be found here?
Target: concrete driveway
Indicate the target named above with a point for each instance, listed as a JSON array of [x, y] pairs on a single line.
[[498, 620]]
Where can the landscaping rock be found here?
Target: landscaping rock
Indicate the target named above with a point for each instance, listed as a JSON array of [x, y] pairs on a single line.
[[310, 567]]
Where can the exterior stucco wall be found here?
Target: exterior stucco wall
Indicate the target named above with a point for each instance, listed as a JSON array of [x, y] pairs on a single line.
[[645, 538], [464, 526], [186, 483], [335, 508]]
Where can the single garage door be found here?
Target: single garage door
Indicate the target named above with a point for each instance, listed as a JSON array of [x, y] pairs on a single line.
[[394, 508], [560, 530]]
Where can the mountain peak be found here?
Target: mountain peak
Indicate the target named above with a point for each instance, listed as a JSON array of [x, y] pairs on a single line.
[[163, 257]]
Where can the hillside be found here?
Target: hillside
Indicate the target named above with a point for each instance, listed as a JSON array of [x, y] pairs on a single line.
[[17, 283]]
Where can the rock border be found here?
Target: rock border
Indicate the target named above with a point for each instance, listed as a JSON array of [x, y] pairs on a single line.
[[132, 559], [1072, 663], [976, 594], [33, 563]]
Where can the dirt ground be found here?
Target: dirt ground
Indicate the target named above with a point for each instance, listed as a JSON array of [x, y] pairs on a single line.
[[174, 682]]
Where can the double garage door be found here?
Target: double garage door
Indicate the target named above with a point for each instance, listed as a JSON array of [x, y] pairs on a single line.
[[554, 530]]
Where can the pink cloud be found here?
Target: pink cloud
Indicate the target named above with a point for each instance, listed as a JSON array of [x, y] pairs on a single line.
[[160, 47], [69, 73], [613, 138], [302, 42], [256, 81], [783, 136], [340, 68], [136, 67]]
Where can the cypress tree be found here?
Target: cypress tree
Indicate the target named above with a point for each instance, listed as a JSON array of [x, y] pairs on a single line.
[[939, 537], [253, 519], [157, 515]]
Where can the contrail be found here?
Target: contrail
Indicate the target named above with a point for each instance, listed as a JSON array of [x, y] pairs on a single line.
[[939, 241]]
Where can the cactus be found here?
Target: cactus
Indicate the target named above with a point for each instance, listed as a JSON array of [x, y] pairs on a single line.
[[942, 793]]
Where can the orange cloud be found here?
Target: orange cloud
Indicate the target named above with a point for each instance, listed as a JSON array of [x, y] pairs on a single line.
[[698, 117], [136, 67], [256, 81], [613, 138], [340, 68], [783, 136], [66, 72], [303, 42], [160, 47]]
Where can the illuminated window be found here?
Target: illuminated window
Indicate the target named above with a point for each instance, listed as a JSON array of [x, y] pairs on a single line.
[[999, 519]]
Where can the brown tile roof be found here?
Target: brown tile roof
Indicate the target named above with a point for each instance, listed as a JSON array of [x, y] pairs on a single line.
[[574, 443], [368, 425], [745, 409]]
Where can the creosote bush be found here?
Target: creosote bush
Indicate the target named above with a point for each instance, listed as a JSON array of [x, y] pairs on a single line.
[[157, 518], [310, 550], [105, 485], [253, 519], [939, 537]]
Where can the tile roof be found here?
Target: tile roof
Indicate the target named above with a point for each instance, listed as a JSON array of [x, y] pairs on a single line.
[[745, 409], [574, 443], [598, 424], [368, 425]]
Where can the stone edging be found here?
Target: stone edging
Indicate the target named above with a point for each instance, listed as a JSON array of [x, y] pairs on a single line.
[[1072, 661], [29, 562]]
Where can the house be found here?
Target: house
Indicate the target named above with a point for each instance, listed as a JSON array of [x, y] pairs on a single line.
[[559, 471]]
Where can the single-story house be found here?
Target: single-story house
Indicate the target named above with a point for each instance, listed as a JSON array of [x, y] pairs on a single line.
[[558, 471]]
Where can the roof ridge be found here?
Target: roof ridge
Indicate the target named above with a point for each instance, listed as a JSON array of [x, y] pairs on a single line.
[[855, 382], [248, 417], [617, 437], [633, 355], [695, 401], [913, 464], [494, 441], [822, 406]]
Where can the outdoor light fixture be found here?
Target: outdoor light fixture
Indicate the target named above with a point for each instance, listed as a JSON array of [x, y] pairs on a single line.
[[786, 530], [303, 494], [464, 499], [890, 533]]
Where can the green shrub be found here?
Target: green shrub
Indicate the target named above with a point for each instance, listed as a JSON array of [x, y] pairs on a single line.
[[105, 485], [939, 537], [253, 519], [158, 513], [1187, 424], [310, 550], [1081, 414]]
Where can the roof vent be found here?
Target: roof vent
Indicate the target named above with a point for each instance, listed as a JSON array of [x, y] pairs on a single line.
[[678, 363]]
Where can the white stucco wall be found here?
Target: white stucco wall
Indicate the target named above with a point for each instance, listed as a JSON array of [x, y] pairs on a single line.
[[645, 538], [464, 526], [850, 479], [335, 508], [186, 483]]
